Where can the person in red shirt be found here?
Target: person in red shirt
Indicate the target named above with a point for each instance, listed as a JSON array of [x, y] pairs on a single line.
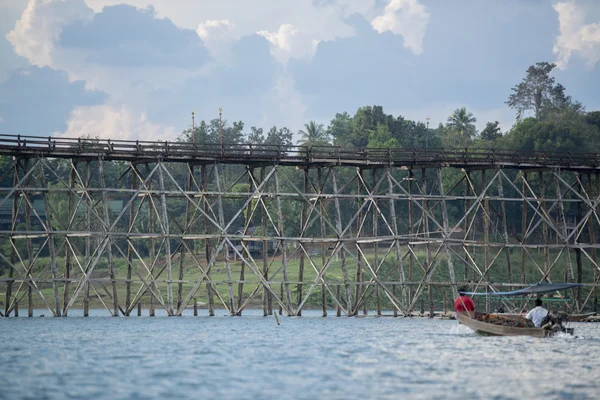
[[463, 302]]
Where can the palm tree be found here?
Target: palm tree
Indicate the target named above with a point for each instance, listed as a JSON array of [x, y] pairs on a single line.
[[461, 122], [313, 134]]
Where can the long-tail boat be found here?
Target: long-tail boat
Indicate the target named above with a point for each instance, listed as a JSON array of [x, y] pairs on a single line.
[[497, 325]]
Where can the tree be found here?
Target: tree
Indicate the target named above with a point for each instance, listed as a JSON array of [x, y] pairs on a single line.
[[461, 127], [564, 134], [382, 138], [341, 128], [539, 93], [593, 118], [256, 136], [279, 137], [313, 134], [491, 131]]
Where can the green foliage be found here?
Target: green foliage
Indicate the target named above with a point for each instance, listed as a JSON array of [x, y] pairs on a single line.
[[382, 137], [557, 134], [491, 132], [313, 134], [460, 128]]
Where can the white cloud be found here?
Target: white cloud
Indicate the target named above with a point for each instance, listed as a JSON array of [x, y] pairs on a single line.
[[218, 36], [115, 123], [40, 25], [322, 21], [575, 36], [288, 43], [407, 18]]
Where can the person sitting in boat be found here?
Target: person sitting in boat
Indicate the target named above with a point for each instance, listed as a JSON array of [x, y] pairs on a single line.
[[463, 302], [537, 314]]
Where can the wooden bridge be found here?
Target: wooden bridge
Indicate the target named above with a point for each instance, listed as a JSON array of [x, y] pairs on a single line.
[[115, 223]]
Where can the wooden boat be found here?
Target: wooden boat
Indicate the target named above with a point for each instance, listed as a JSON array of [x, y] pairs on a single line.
[[484, 325], [514, 324]]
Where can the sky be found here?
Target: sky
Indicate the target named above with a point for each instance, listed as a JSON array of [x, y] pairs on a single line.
[[136, 69]]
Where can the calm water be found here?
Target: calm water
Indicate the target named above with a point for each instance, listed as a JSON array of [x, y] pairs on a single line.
[[307, 357]]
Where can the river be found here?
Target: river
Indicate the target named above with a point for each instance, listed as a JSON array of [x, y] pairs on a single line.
[[309, 357]]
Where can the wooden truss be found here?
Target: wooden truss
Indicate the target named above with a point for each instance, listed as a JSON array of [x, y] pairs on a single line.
[[349, 234]]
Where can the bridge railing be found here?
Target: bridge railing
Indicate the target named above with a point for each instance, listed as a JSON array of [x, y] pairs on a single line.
[[268, 152]]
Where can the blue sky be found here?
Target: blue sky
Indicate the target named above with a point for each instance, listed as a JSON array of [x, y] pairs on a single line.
[[138, 68]]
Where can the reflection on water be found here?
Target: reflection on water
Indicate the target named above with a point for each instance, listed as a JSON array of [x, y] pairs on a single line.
[[307, 357]]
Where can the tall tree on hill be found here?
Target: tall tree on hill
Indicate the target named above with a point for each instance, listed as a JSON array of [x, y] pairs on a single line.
[[539, 93], [461, 127], [313, 134]]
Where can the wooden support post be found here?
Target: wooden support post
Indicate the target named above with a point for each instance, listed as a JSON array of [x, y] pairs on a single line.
[[283, 244], [523, 230], [411, 232], [544, 224], [302, 222], [88, 226], [152, 250], [151, 307], [195, 307], [466, 223], [399, 263], [29, 303], [211, 301], [577, 249], [13, 255], [185, 231], [445, 225], [281, 296], [486, 222], [139, 309], [207, 242], [338, 225], [338, 309], [395, 293], [245, 254], [323, 246], [29, 243], [266, 295], [51, 248], [431, 301], [360, 289], [130, 249], [68, 263], [376, 246], [593, 241], [425, 219], [165, 231], [16, 308], [568, 247], [504, 228], [445, 303], [111, 264]]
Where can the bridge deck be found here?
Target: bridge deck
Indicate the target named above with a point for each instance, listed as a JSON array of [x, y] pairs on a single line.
[[301, 156]]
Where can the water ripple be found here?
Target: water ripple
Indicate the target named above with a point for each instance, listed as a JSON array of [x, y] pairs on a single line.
[[308, 357]]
